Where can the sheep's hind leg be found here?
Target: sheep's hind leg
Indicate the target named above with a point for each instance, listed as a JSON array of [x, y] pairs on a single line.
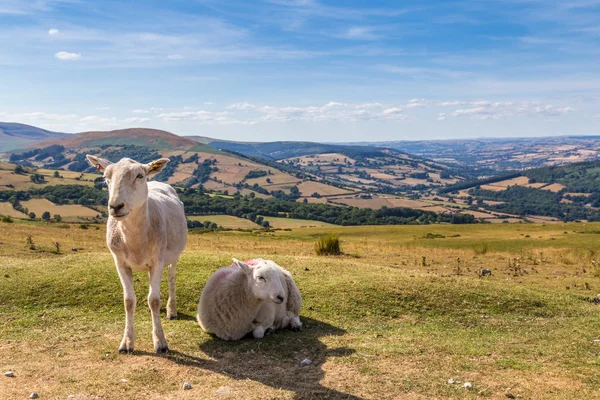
[[158, 335], [172, 301], [129, 299]]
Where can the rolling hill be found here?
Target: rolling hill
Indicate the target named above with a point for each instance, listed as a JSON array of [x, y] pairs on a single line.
[[14, 135], [569, 193]]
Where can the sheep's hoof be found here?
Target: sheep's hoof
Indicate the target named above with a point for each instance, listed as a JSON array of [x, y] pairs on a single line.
[[297, 328], [269, 331], [125, 350], [162, 350], [172, 316]]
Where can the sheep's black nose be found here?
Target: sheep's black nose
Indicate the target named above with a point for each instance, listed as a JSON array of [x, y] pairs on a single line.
[[117, 207], [280, 298]]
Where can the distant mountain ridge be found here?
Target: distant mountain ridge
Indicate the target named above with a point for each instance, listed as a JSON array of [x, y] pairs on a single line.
[[14, 135]]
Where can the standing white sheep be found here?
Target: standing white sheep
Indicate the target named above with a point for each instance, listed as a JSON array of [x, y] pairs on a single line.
[[255, 296], [146, 230]]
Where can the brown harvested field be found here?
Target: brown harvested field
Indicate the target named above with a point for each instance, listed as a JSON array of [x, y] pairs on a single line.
[[478, 214], [285, 223], [518, 181], [226, 221], [245, 192], [67, 211], [317, 200], [434, 208], [231, 169], [535, 185], [309, 187], [492, 188], [23, 182], [492, 202], [412, 182], [406, 202], [353, 178], [275, 179], [69, 174], [7, 209], [579, 194], [555, 187], [182, 172], [212, 185], [378, 202]]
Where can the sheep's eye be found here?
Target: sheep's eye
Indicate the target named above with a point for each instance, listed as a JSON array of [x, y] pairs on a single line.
[[140, 176], [262, 278]]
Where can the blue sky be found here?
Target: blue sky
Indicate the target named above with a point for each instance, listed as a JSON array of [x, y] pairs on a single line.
[[304, 69]]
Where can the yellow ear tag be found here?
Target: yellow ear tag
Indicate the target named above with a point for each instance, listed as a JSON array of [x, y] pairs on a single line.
[[153, 166]]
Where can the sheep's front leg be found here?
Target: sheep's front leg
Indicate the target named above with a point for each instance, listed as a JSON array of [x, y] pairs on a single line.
[[264, 321], [158, 335], [129, 299], [172, 301]]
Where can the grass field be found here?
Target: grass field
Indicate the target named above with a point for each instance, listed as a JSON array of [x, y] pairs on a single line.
[[395, 317], [71, 211], [226, 221], [284, 223]]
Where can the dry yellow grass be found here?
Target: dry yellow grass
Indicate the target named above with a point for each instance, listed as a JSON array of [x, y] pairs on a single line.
[[393, 320]]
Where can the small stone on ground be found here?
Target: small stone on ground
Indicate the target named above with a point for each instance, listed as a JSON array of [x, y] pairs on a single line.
[[451, 381], [9, 374], [305, 362], [468, 385], [187, 386], [34, 395]]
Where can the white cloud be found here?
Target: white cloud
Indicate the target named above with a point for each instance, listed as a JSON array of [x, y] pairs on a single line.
[[53, 31], [64, 55], [240, 106], [359, 33], [135, 119], [175, 57], [37, 116], [485, 110], [102, 108], [139, 111]]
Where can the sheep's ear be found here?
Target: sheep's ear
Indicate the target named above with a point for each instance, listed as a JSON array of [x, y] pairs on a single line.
[[156, 166], [99, 163], [242, 265]]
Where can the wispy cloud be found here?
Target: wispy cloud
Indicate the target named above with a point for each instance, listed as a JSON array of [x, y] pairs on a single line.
[[65, 55], [485, 110], [53, 32]]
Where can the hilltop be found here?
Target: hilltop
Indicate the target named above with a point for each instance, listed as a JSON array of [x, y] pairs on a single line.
[[14, 135]]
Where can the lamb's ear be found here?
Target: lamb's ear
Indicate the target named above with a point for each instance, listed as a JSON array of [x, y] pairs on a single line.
[[242, 265], [99, 163], [156, 166]]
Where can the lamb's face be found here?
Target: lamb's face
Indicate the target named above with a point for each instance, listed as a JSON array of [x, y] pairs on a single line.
[[127, 183], [265, 280], [127, 187], [267, 283]]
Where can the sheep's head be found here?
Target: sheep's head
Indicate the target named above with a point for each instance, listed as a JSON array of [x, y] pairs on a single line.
[[127, 182], [265, 280]]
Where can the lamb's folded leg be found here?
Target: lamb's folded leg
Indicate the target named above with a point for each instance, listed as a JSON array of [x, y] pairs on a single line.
[[264, 320]]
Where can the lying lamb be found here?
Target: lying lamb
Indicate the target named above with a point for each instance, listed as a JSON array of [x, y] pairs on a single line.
[[256, 296]]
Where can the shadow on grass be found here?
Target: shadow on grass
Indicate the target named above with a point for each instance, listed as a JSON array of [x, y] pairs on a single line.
[[275, 360]]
